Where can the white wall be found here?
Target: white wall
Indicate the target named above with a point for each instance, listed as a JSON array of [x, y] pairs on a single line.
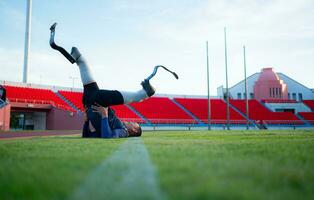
[[298, 107], [240, 87], [296, 87]]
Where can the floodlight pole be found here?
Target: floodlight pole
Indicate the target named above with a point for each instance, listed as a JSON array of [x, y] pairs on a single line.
[[246, 91], [27, 40], [227, 87], [208, 89], [73, 78]]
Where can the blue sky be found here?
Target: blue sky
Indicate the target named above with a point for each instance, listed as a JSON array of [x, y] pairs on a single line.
[[124, 39]]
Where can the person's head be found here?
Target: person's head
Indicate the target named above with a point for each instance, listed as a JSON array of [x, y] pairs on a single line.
[[134, 129]]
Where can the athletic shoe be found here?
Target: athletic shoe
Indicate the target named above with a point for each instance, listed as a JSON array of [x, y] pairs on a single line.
[[150, 90]]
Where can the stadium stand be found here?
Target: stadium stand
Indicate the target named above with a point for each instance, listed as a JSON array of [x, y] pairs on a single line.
[[122, 111], [218, 112], [258, 112], [161, 110], [74, 97], [308, 116], [126, 114], [309, 103], [36, 96]]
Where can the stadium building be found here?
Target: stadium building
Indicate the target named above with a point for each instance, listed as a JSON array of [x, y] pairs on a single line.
[[275, 100]]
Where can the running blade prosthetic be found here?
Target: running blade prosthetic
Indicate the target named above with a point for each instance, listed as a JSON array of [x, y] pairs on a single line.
[[58, 48], [150, 90]]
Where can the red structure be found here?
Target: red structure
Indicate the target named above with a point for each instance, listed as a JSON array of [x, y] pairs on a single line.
[[36, 96], [218, 114], [309, 116], [259, 112], [269, 86], [126, 114], [309, 103], [5, 118], [42, 109], [74, 97], [161, 110]]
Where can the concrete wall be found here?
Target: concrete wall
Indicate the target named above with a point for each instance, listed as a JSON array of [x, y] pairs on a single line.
[[5, 117], [63, 120]]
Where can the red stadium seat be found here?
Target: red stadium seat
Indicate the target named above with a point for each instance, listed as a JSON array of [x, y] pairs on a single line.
[[161, 110], [36, 96], [218, 112], [74, 97], [259, 112], [308, 116], [309, 103], [122, 111], [126, 114]]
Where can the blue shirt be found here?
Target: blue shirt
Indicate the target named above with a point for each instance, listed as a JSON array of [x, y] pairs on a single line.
[[108, 127]]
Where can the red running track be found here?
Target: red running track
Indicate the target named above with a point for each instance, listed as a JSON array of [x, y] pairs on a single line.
[[21, 134]]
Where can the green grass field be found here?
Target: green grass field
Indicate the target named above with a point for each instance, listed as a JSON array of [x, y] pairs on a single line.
[[161, 165]]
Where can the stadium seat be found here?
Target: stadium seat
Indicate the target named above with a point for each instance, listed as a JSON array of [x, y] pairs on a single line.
[[258, 112], [36, 96], [122, 111], [218, 112], [309, 103], [126, 114], [308, 116], [74, 97], [161, 110]]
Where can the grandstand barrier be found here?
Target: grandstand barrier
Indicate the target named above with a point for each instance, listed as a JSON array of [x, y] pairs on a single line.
[[173, 121], [282, 122], [42, 102], [35, 95]]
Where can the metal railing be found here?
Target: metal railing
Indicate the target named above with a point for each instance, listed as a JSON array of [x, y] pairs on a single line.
[[42, 102]]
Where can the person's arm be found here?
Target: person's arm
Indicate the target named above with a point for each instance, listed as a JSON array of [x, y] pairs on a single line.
[[106, 131], [87, 133]]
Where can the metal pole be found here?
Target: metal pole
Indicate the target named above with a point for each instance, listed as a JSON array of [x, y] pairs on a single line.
[[27, 40], [73, 78], [208, 90], [246, 91], [227, 88]]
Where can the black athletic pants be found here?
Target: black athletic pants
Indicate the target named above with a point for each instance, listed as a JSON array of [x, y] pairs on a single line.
[[105, 98], [92, 94]]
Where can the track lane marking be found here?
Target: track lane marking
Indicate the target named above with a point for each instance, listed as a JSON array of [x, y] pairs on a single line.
[[127, 174]]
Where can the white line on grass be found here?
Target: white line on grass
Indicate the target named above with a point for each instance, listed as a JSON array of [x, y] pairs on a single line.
[[127, 174]]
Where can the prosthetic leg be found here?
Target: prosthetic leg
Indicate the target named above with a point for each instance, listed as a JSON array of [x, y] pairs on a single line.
[[102, 97]]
